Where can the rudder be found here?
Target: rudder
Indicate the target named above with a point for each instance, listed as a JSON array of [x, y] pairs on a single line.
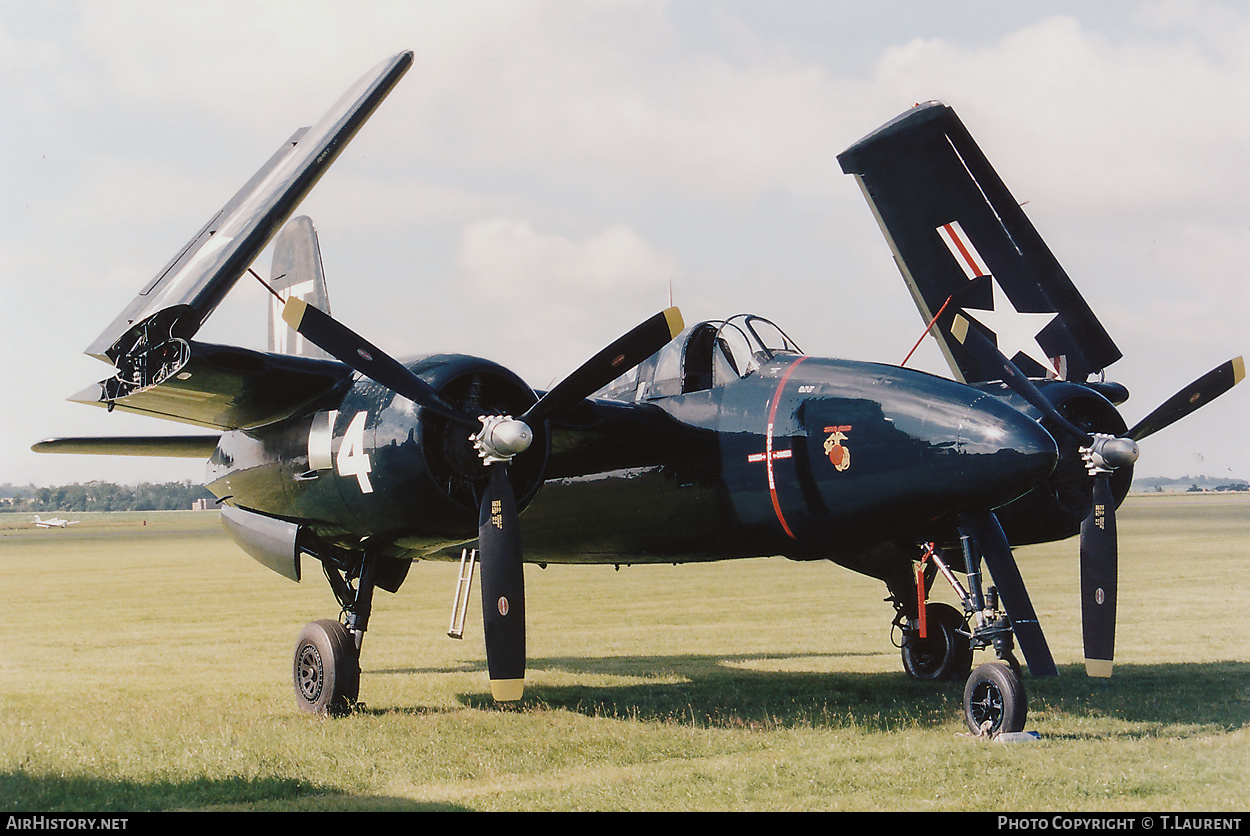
[[296, 271]]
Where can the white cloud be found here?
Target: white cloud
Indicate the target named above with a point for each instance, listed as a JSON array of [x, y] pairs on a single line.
[[556, 295], [584, 152], [1102, 124], [507, 259]]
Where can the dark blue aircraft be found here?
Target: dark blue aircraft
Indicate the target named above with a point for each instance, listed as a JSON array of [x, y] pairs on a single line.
[[675, 443]]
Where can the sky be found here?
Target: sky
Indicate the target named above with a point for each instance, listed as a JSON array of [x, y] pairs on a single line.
[[549, 174]]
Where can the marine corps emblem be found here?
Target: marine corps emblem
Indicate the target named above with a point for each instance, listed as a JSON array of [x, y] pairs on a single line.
[[839, 456]]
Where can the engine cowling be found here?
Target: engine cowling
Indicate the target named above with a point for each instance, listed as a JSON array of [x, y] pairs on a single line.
[[474, 385], [1059, 506], [374, 464]]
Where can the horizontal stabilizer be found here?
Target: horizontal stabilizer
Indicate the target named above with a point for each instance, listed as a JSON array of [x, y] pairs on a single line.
[[964, 245], [180, 298], [169, 446]]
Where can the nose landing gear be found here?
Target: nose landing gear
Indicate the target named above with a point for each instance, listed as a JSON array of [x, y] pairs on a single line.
[[994, 700], [939, 645]]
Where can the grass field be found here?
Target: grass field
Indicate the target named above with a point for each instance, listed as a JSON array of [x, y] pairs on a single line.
[[145, 665]]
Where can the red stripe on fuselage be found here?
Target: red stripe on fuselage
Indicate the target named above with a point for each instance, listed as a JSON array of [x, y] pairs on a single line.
[[768, 449]]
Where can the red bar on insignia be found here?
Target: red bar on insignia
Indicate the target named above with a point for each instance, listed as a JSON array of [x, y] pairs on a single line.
[[958, 243]]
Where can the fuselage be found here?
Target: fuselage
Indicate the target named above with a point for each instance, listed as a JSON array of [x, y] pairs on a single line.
[[806, 457]]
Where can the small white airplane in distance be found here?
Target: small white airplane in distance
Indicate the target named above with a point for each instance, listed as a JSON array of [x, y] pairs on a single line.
[[54, 522]]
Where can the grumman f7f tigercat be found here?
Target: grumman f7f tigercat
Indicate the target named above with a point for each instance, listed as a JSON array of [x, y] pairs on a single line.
[[675, 443]]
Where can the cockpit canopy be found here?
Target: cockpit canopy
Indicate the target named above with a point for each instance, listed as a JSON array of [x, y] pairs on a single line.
[[701, 357]]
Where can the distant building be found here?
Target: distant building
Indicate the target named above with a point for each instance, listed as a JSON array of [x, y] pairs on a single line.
[[202, 505]]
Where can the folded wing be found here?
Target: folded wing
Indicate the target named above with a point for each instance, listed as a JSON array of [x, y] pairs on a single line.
[[159, 370], [964, 245]]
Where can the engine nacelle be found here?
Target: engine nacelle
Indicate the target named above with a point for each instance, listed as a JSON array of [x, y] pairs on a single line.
[[1065, 500], [373, 463], [471, 385]]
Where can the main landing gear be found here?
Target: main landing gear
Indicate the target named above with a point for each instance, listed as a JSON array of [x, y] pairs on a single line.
[[326, 670], [937, 644]]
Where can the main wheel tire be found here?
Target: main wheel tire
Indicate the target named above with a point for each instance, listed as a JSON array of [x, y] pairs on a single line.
[[326, 670], [994, 700], [945, 653]]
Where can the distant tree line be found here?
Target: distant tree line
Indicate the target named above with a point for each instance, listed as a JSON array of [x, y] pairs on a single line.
[[1192, 484], [103, 496]]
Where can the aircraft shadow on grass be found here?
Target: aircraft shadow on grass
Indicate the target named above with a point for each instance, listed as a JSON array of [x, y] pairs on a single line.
[[49, 793], [714, 691], [718, 691]]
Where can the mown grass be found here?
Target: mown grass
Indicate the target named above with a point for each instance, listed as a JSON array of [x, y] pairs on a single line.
[[145, 666]]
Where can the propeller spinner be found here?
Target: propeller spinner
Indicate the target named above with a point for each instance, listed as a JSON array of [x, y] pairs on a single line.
[[1103, 454], [497, 439]]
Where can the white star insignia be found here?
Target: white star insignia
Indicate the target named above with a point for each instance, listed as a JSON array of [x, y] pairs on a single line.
[[1016, 332]]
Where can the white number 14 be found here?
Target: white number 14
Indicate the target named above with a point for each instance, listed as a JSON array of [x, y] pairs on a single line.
[[352, 458]]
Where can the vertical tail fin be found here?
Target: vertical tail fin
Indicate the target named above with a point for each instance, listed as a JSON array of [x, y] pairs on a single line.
[[957, 234], [297, 272]]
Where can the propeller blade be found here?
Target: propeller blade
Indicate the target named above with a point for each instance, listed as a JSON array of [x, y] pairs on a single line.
[[1099, 580], [348, 347], [988, 534], [620, 356], [1016, 380], [1199, 393], [503, 587]]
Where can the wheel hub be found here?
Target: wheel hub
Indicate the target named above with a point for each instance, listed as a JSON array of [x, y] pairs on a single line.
[[310, 673], [986, 705]]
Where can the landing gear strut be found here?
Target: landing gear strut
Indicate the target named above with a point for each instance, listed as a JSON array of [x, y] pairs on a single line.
[[326, 670], [941, 648]]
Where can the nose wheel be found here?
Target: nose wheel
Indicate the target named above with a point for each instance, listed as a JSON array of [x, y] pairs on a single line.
[[994, 700]]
